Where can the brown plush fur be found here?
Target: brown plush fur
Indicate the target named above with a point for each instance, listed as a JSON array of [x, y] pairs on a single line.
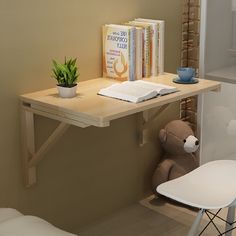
[[175, 162]]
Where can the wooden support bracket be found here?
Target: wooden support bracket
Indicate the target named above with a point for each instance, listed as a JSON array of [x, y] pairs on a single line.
[[217, 90], [31, 157], [145, 120]]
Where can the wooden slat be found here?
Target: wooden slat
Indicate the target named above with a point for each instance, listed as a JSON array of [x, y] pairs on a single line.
[[151, 117], [145, 120], [70, 121], [28, 146]]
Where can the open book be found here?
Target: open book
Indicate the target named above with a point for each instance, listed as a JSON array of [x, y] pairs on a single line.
[[136, 91]]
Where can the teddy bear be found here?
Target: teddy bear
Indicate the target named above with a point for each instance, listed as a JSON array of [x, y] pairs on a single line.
[[179, 144]]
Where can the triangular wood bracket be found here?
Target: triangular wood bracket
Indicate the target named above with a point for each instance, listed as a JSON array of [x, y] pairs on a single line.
[[145, 120], [31, 157]]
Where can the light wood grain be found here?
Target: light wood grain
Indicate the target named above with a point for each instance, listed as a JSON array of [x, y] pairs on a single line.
[[52, 139], [28, 147], [89, 108], [151, 217], [146, 118]]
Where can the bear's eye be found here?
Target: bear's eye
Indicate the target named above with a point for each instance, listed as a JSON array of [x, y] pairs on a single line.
[[184, 140]]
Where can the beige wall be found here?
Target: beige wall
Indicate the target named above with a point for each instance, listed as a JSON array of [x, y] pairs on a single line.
[[90, 172]]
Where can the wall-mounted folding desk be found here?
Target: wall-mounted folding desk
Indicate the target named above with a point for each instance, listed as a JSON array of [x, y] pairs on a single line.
[[89, 109]]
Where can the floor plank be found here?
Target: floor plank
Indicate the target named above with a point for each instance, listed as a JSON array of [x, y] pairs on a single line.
[[149, 217]]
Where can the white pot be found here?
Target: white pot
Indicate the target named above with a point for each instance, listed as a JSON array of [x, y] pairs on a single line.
[[65, 92]]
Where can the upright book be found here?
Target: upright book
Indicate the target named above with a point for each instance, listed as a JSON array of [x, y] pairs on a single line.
[[159, 39], [136, 91], [146, 45], [119, 59], [138, 51]]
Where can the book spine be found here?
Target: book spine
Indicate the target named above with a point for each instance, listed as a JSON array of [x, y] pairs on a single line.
[[146, 56], [160, 42], [104, 64], [154, 50], [158, 49], [139, 53], [161, 46], [132, 54]]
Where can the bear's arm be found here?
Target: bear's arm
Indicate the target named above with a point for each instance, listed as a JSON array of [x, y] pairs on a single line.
[[161, 173]]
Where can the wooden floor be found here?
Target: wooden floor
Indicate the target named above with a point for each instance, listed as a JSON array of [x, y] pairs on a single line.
[[150, 217]]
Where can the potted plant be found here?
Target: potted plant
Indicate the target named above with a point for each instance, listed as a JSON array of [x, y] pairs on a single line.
[[66, 75]]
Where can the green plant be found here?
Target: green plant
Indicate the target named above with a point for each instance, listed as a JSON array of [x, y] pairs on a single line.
[[66, 74]]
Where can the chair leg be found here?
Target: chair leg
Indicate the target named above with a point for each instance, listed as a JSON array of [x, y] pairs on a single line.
[[230, 219], [196, 223]]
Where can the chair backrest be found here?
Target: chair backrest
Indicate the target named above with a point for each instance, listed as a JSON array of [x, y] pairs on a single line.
[[212, 185]]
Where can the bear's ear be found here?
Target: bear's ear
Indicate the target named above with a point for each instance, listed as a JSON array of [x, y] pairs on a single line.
[[162, 135]]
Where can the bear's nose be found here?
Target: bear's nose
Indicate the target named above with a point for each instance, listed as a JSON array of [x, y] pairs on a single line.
[[197, 142]]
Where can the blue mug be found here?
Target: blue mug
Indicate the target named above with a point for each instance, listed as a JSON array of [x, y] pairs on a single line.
[[186, 73]]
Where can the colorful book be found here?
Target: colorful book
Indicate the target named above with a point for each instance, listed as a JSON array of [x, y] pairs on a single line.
[[160, 27], [147, 46], [138, 52], [154, 48], [119, 59]]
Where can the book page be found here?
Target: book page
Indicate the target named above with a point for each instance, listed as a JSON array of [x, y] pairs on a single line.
[[159, 88], [126, 91], [136, 91]]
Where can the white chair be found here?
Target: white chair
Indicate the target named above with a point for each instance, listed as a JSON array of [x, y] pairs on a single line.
[[210, 186]]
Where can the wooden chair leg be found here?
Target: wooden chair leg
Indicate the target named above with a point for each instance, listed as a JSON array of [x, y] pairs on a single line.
[[196, 223], [230, 218]]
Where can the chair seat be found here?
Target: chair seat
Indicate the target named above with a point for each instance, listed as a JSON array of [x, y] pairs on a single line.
[[210, 186]]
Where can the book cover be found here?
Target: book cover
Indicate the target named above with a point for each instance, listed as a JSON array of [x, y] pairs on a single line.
[[119, 52]]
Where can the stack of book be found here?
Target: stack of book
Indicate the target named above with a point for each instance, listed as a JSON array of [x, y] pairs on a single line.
[[133, 50]]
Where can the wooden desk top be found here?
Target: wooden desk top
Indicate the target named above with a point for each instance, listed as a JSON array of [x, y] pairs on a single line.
[[88, 108]]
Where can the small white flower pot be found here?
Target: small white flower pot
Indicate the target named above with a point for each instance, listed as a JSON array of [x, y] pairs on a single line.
[[66, 92]]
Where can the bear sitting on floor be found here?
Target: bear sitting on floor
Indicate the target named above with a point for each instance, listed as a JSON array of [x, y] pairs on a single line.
[[179, 143]]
